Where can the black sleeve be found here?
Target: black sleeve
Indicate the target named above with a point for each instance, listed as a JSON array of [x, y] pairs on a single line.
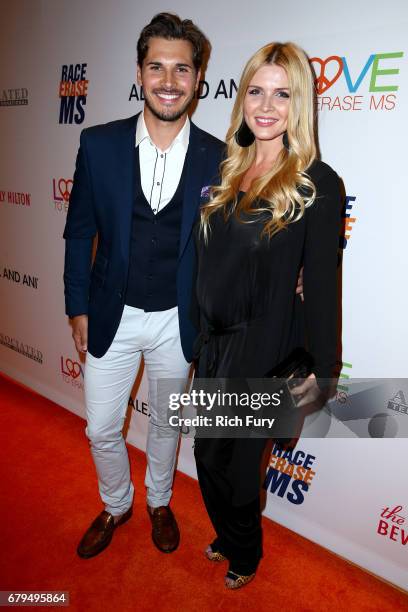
[[323, 220]]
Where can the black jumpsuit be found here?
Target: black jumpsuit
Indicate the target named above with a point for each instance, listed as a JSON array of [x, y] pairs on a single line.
[[251, 318]]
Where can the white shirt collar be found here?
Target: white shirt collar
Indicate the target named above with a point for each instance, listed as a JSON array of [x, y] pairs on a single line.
[[183, 137]]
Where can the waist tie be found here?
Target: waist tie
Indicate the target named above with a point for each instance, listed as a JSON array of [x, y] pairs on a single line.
[[205, 347]]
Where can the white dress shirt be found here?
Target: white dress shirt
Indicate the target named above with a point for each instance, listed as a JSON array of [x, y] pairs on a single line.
[[160, 171]]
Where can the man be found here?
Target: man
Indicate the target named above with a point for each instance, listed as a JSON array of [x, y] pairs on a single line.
[[137, 185]]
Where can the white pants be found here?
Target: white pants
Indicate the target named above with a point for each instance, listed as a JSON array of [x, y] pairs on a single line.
[[108, 382]]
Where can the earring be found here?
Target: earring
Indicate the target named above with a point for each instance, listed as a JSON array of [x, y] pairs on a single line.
[[285, 141], [243, 136]]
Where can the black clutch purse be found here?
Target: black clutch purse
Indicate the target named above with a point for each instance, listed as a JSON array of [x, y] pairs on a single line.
[[298, 365]]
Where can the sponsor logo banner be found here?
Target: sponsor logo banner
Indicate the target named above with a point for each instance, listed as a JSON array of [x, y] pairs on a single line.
[[398, 403], [342, 84], [15, 197], [73, 91], [348, 221], [24, 349], [61, 190], [72, 372], [139, 406], [372, 85], [290, 474], [368, 408], [342, 388], [392, 525], [14, 97], [15, 276]]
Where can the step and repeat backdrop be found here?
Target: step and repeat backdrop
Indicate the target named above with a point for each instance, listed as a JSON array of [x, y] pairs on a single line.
[[348, 494]]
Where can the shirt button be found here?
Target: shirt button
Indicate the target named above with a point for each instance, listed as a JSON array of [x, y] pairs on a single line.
[[154, 209], [161, 155]]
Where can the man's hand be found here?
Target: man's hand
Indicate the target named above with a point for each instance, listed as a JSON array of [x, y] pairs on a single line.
[[80, 332], [299, 287]]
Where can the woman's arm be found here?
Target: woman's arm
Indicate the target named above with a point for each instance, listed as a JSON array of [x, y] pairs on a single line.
[[323, 221]]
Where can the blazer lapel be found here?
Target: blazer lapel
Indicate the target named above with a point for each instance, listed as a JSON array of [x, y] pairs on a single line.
[[195, 161]]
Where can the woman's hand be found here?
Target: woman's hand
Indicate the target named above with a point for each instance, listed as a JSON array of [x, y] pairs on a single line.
[[307, 392]]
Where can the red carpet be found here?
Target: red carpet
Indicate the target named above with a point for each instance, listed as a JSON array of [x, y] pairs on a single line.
[[49, 497]]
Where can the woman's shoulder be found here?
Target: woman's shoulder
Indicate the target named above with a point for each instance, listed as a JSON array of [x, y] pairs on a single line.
[[319, 171]]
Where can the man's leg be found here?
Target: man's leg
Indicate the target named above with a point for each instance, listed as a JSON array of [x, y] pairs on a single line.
[[164, 359], [108, 382]]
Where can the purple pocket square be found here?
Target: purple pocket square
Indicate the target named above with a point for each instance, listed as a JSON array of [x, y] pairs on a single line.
[[205, 191]]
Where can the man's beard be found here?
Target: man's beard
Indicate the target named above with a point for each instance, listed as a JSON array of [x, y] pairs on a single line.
[[171, 115]]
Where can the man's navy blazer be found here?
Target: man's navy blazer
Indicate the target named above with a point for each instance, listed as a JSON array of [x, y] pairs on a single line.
[[101, 203]]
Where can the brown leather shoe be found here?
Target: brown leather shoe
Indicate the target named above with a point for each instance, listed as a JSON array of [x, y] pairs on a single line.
[[165, 532], [100, 533]]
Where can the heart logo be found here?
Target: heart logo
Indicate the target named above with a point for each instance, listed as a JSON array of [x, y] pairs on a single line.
[[65, 187], [73, 367], [323, 82]]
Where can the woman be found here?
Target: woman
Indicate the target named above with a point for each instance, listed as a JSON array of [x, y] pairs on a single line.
[[276, 209]]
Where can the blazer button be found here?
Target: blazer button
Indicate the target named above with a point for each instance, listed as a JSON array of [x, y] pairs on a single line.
[[120, 294]]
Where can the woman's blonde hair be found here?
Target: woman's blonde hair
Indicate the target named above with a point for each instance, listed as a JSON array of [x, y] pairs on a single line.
[[285, 190]]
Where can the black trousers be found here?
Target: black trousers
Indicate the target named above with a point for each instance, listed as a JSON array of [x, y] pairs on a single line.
[[223, 467]]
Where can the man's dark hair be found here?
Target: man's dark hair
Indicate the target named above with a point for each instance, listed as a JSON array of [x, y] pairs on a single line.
[[171, 27]]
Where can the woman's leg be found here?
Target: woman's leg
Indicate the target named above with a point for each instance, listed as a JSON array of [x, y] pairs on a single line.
[[243, 533], [238, 526], [211, 456]]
